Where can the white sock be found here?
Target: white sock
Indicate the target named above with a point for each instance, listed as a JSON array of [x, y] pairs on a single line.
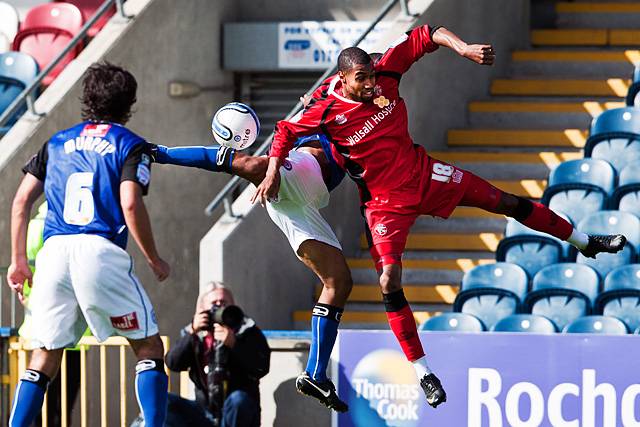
[[578, 239], [421, 367]]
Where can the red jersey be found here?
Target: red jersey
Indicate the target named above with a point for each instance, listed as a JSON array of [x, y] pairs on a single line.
[[370, 141]]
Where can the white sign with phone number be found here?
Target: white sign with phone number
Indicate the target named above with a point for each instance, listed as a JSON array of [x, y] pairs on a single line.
[[316, 45]]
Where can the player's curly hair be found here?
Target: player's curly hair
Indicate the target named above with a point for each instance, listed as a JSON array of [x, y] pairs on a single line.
[[108, 92], [352, 56]]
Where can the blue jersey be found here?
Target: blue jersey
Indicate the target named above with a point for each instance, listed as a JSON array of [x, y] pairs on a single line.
[[82, 168], [336, 174]]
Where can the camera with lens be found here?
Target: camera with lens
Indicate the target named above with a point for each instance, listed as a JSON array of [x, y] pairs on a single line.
[[231, 316]]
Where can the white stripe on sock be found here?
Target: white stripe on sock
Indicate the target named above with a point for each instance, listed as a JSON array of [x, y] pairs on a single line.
[[15, 403], [315, 370]]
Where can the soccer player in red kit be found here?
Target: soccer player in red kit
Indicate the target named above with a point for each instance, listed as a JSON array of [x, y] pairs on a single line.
[[363, 115]]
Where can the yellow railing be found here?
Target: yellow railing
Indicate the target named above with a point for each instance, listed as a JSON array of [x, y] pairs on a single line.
[[18, 353]]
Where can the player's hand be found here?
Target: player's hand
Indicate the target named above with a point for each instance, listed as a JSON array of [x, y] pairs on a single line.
[[482, 54], [225, 335], [268, 188], [160, 268], [201, 321], [19, 273], [305, 99]]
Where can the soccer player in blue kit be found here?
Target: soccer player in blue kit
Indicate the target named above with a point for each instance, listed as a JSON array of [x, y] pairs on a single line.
[[94, 176]]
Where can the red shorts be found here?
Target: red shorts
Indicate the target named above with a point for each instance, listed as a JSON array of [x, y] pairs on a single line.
[[435, 189]]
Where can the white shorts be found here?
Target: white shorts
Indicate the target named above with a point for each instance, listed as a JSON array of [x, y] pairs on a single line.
[[302, 194], [85, 280]]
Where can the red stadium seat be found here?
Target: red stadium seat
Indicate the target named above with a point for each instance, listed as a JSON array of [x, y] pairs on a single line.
[[88, 9], [46, 30]]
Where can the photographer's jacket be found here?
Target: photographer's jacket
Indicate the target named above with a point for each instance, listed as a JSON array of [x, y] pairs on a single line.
[[248, 360]]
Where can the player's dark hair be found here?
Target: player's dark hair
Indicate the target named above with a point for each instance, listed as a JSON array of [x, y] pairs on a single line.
[[108, 92], [375, 56], [352, 56]]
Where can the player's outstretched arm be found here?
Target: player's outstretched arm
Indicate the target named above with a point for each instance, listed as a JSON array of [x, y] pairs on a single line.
[[479, 53], [137, 219], [30, 189]]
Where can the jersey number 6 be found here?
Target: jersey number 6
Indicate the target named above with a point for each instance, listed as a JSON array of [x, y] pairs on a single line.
[[442, 172], [78, 199]]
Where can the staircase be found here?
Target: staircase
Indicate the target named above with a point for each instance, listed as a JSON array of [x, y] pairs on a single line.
[[535, 118]]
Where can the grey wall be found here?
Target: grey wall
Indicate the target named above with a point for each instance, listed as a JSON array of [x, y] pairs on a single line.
[[165, 43]]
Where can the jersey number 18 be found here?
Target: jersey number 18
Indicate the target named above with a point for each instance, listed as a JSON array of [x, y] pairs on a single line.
[[78, 199]]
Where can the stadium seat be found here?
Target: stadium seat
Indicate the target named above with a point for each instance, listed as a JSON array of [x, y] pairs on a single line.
[[611, 222], [596, 325], [88, 9], [615, 137], [531, 323], [620, 296], [528, 248], [17, 71], [579, 187], [453, 322], [46, 31], [626, 196], [492, 291], [563, 292], [633, 98], [9, 23]]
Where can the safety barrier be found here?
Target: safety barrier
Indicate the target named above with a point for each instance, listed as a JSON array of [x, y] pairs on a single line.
[[14, 359]]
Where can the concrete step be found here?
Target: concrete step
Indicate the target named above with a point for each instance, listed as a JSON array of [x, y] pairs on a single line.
[[485, 241], [550, 159], [424, 294], [536, 115], [598, 15], [561, 87], [430, 224], [516, 138], [353, 319], [600, 64], [585, 37]]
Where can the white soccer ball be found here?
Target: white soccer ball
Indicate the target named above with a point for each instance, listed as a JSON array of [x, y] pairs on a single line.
[[235, 125]]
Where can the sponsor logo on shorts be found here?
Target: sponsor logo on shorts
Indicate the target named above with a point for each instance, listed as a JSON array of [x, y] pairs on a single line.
[[341, 119], [457, 176], [287, 165], [154, 319], [380, 229], [126, 322]]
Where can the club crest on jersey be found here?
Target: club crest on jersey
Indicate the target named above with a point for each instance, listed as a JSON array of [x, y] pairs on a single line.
[[381, 229], [381, 101], [126, 322], [377, 90], [341, 119]]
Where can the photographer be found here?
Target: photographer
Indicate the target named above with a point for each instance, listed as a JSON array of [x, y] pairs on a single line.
[[226, 357]]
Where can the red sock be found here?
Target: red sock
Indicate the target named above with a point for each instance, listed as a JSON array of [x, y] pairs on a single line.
[[404, 327], [544, 219]]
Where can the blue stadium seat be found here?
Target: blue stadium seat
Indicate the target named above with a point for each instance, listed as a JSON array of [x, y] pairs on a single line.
[[530, 323], [596, 325], [563, 292], [633, 98], [626, 196], [612, 222], [492, 291], [620, 296], [615, 137], [579, 187], [528, 248], [17, 71], [453, 322]]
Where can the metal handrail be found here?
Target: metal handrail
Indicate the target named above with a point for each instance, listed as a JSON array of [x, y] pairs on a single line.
[[233, 183], [27, 94]]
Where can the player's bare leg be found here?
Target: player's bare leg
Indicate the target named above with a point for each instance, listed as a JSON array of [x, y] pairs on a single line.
[[329, 264], [151, 379], [535, 215], [46, 361]]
